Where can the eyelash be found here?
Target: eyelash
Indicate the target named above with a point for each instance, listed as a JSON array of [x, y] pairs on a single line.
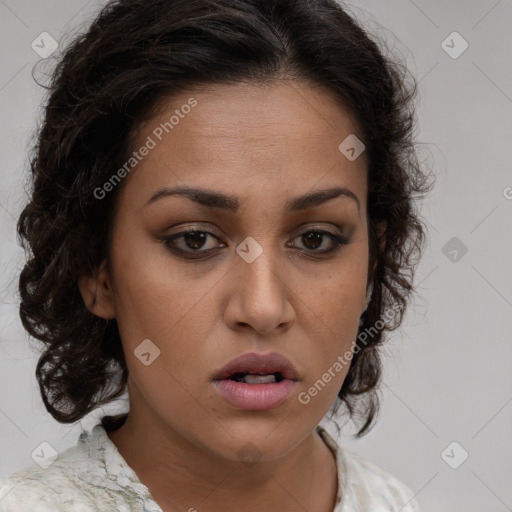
[[337, 240]]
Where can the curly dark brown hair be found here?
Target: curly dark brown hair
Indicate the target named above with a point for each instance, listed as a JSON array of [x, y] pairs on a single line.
[[111, 77]]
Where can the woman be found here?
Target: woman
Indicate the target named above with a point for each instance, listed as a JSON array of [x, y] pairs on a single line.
[[223, 223]]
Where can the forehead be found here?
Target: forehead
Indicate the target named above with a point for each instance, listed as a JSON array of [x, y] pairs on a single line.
[[248, 138]]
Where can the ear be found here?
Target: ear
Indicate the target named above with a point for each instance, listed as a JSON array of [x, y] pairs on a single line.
[[96, 291]]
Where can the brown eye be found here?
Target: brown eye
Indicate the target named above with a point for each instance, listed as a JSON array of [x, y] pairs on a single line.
[[313, 239], [195, 240], [192, 241]]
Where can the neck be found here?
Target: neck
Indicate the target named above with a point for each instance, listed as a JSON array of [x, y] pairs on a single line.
[[184, 476]]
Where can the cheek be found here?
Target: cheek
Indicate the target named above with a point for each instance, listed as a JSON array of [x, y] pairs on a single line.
[[333, 322], [158, 303], [151, 297], [336, 307]]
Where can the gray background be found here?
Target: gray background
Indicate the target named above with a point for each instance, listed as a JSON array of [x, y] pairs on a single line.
[[447, 371]]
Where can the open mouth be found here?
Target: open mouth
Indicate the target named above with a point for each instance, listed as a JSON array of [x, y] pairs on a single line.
[[257, 378], [255, 381]]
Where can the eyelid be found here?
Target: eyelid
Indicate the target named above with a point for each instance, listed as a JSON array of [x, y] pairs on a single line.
[[338, 241], [303, 227], [306, 226], [183, 230]]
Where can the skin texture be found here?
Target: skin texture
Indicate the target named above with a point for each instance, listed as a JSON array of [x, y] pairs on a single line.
[[264, 144]]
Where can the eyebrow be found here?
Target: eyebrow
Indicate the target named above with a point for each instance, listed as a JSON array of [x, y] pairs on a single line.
[[212, 199]]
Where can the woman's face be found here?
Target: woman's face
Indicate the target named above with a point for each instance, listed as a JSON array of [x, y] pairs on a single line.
[[261, 274]]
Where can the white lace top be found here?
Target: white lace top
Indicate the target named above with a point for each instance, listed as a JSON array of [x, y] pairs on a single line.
[[93, 476]]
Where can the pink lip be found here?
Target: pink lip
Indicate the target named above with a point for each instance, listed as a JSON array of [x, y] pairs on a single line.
[[256, 397]]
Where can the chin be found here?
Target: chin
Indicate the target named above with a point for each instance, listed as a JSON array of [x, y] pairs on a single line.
[[254, 438]]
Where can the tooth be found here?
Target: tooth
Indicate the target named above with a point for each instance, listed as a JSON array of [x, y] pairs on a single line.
[[259, 379]]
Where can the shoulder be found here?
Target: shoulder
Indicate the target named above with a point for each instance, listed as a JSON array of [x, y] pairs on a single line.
[[42, 489], [30, 490], [365, 486], [375, 487], [77, 480]]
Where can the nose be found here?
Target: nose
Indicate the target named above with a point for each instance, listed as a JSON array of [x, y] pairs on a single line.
[[259, 296]]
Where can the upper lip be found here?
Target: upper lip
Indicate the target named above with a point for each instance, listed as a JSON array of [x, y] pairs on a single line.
[[258, 363]]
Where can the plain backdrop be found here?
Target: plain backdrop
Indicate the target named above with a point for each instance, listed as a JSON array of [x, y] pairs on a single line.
[[447, 388]]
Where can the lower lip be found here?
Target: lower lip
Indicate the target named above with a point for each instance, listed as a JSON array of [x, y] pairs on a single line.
[[255, 397]]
